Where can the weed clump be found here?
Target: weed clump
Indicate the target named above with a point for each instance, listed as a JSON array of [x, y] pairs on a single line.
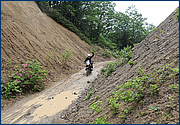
[[24, 77]]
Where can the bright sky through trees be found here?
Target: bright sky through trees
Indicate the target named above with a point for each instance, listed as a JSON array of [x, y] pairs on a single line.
[[154, 11]]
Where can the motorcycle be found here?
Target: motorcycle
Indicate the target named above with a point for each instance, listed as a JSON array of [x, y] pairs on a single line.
[[89, 68]]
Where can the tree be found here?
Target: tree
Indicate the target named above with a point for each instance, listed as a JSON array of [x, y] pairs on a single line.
[[137, 25], [102, 24]]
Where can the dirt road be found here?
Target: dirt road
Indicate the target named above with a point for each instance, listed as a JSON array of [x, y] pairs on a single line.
[[51, 101]]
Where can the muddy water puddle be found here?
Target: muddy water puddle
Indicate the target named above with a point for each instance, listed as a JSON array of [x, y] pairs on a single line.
[[50, 106]]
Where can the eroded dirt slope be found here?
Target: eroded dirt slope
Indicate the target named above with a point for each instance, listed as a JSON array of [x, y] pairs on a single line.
[[159, 48], [27, 33]]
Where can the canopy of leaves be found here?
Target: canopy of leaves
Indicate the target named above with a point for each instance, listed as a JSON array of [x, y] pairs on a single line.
[[100, 23]]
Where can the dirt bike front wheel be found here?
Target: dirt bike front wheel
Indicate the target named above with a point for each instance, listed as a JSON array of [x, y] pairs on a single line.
[[88, 72]]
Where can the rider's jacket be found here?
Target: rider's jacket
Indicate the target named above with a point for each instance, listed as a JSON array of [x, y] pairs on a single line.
[[89, 58]]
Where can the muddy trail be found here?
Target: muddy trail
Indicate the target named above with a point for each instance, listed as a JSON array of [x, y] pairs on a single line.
[[47, 103]]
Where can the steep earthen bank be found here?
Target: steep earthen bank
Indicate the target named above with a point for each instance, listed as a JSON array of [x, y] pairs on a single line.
[[27, 33]]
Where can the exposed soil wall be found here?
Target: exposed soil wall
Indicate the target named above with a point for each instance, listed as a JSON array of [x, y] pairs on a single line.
[[27, 33]]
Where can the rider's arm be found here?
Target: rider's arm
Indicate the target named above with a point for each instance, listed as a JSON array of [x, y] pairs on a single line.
[[92, 55]]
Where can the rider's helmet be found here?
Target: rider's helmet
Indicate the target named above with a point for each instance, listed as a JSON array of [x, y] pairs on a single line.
[[89, 54]]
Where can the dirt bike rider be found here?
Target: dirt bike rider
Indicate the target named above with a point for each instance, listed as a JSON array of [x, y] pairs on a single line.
[[88, 60]]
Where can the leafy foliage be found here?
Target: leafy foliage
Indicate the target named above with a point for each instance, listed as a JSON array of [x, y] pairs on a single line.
[[153, 108], [114, 105], [99, 120], [24, 77], [153, 89], [96, 106], [177, 13], [64, 57], [103, 70], [174, 87], [126, 52], [90, 93], [99, 22], [131, 62], [110, 68]]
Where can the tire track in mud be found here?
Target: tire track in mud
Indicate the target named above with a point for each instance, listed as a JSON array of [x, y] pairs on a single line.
[[29, 110]]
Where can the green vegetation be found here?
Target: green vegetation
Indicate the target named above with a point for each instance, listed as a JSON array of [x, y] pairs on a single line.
[[100, 23], [110, 68], [126, 52], [61, 59], [120, 61], [174, 87], [59, 18], [177, 14], [162, 31], [124, 55], [137, 115], [90, 93], [96, 106], [171, 99], [99, 121], [153, 89], [107, 53], [126, 110], [153, 108], [24, 77], [114, 105], [131, 62], [165, 115], [103, 70], [142, 113], [154, 29], [135, 89], [64, 57], [176, 72]]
